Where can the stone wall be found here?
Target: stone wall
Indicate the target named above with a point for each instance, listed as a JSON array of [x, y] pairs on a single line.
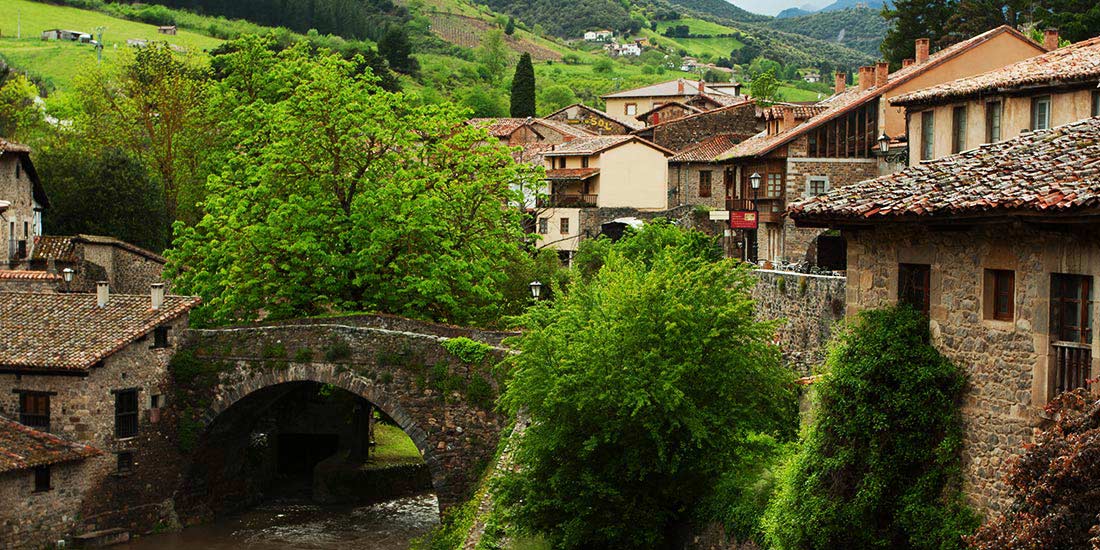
[[809, 306], [33, 520], [1009, 363], [16, 188], [684, 186], [678, 134], [593, 218]]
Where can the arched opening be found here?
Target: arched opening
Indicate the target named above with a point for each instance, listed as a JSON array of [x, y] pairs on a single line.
[[293, 460]]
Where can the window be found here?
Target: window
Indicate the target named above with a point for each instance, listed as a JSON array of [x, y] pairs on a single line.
[[1000, 294], [927, 135], [154, 401], [775, 185], [125, 461], [914, 286], [126, 413], [1095, 103], [993, 122], [631, 109], [584, 162], [34, 410], [42, 479], [1040, 113], [704, 183], [958, 129], [817, 185], [18, 170], [160, 337], [544, 226], [563, 226], [1071, 308]]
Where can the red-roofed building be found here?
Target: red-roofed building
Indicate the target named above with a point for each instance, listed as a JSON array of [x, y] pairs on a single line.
[[809, 150]]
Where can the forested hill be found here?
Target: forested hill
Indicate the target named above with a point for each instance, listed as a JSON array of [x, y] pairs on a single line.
[[569, 18], [720, 8], [858, 28]]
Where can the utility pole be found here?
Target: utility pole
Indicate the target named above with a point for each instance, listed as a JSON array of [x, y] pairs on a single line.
[[19, 23], [99, 45]]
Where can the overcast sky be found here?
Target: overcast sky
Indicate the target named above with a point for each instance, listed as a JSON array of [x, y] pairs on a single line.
[[770, 7]]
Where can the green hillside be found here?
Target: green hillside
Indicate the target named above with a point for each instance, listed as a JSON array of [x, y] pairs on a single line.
[[858, 28], [57, 62]]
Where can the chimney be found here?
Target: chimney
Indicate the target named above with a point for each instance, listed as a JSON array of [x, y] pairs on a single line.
[[680, 86], [882, 73], [1050, 39], [702, 86], [866, 77], [922, 50], [157, 294], [908, 62], [102, 293], [839, 83]]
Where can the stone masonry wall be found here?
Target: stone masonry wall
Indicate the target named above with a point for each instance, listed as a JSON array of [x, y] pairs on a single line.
[[33, 520], [1008, 362], [678, 134], [809, 307]]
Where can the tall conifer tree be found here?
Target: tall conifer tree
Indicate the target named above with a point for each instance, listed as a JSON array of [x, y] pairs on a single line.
[[523, 88]]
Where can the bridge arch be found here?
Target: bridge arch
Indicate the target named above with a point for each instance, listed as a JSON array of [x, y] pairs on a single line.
[[408, 375]]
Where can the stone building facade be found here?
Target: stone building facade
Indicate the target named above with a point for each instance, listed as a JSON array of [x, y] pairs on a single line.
[[739, 120], [127, 268], [22, 200], [808, 308], [595, 121]]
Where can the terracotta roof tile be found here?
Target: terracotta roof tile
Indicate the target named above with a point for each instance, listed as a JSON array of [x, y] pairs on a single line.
[[576, 174], [672, 88], [61, 249], [709, 149], [588, 146], [626, 121], [498, 127], [12, 147], [567, 129], [22, 448], [1075, 63], [26, 275], [1050, 171], [69, 332]]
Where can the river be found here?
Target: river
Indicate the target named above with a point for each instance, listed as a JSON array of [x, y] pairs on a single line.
[[284, 524]]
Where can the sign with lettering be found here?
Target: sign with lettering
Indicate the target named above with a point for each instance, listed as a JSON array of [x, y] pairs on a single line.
[[719, 215], [743, 219]]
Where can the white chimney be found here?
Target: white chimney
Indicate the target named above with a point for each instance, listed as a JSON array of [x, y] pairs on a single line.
[[102, 293], [157, 292]]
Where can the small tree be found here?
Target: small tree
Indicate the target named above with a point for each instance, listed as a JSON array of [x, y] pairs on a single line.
[[395, 46], [510, 28], [636, 386], [1056, 484], [879, 465], [765, 87], [493, 55], [18, 112], [523, 88]]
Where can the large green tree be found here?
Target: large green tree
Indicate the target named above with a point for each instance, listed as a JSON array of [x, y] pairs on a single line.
[[523, 88], [879, 466], [19, 115], [493, 55], [640, 385], [913, 19], [342, 196]]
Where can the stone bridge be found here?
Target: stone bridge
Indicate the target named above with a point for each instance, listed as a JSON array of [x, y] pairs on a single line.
[[442, 398]]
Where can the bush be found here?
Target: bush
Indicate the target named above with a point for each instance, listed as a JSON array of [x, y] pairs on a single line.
[[879, 465]]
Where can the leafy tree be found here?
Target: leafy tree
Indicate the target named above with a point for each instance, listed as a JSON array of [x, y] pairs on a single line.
[[1076, 20], [913, 19], [555, 97], [879, 465], [341, 196], [603, 66], [635, 416], [1055, 484], [764, 87], [523, 88], [395, 47], [103, 192], [153, 107], [484, 101], [493, 55], [510, 28], [19, 115]]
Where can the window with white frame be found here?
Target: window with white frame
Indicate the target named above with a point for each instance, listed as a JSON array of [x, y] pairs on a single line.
[[817, 185]]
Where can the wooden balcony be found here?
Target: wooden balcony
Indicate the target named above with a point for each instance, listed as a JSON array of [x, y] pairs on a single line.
[[567, 200], [770, 209], [1072, 366]]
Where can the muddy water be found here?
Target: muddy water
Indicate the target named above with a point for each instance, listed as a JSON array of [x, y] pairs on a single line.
[[295, 524]]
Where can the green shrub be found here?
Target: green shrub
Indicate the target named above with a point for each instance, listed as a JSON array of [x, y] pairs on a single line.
[[466, 350], [303, 355], [338, 350], [480, 392], [275, 350], [879, 465]]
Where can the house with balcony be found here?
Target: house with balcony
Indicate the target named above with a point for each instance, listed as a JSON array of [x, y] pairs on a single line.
[[1038, 93], [1000, 247], [22, 200], [600, 173], [850, 137]]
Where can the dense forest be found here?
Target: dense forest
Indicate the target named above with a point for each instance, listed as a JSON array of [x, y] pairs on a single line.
[[719, 8], [583, 15], [857, 28]]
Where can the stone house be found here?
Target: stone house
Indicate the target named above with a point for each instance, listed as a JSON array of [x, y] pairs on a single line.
[[127, 268], [520, 132], [1037, 93], [91, 368], [1000, 247], [681, 133], [594, 120], [22, 200], [633, 102], [809, 150], [666, 112], [600, 172]]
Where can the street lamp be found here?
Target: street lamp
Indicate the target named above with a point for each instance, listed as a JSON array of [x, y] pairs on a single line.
[[536, 289], [754, 182], [884, 143], [67, 276]]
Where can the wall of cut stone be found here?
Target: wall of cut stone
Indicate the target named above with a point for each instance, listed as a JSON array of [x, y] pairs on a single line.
[[33, 520], [808, 308], [679, 134]]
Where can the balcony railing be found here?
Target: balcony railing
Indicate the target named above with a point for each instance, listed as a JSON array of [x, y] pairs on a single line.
[[1072, 365], [570, 200], [769, 208]]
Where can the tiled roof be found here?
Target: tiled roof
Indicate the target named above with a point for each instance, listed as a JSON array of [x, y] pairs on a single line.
[[571, 130], [531, 153], [12, 147], [499, 127], [741, 102], [623, 120], [708, 149], [1075, 63], [663, 106], [22, 448], [573, 174], [26, 275], [800, 112], [69, 332], [1046, 172], [842, 103], [597, 144], [671, 88], [63, 249]]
